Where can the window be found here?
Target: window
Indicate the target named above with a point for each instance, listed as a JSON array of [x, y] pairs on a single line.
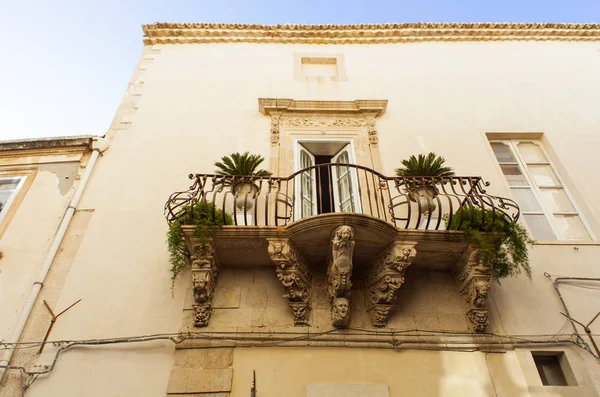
[[549, 368], [319, 67], [545, 203], [8, 190]]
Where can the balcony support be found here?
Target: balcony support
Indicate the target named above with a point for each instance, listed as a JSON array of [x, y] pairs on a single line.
[[339, 272], [384, 277], [204, 277], [293, 272], [473, 278]]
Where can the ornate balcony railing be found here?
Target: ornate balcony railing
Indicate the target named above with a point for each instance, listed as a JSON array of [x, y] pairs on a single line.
[[432, 203]]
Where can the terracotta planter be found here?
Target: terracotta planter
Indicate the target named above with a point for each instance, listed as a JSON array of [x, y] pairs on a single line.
[[244, 193], [424, 195]]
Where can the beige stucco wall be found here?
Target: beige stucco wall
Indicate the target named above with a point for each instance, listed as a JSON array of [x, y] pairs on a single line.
[[31, 222], [188, 105]]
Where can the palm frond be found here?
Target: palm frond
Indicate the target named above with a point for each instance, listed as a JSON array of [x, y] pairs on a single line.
[[424, 165], [244, 164]]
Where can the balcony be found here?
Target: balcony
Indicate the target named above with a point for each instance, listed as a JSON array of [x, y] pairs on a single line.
[[361, 228]]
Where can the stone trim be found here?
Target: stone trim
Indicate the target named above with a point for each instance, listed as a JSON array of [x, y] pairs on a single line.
[[188, 33], [384, 278], [473, 278], [292, 270]]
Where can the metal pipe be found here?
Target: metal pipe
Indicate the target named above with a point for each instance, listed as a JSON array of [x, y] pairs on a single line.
[[567, 314], [99, 145]]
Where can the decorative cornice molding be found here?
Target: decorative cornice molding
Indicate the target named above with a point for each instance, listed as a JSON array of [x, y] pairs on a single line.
[[198, 33], [361, 106]]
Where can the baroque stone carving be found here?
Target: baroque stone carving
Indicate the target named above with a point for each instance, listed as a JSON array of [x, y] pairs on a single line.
[[372, 131], [473, 278], [323, 122], [275, 128], [379, 315], [339, 270], [293, 273], [340, 312], [384, 277], [204, 276], [183, 33]]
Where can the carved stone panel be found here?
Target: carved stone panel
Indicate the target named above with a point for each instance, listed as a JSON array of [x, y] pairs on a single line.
[[295, 276], [204, 276], [384, 277], [473, 277]]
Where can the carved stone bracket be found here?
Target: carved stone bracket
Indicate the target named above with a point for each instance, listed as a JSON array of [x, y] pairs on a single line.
[[339, 273], [204, 276], [473, 278], [295, 276], [383, 279]]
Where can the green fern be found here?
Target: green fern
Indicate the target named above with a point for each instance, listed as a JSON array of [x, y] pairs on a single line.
[[424, 165], [206, 218], [501, 242]]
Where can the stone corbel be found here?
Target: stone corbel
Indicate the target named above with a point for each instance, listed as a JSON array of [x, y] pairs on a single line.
[[339, 273], [384, 277], [473, 278], [295, 276], [204, 277]]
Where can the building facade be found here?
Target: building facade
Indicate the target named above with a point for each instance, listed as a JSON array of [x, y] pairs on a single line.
[[328, 278]]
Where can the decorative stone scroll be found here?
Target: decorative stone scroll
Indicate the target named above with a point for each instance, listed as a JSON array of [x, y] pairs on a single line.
[[295, 276], [204, 276], [384, 277], [473, 279], [339, 273]]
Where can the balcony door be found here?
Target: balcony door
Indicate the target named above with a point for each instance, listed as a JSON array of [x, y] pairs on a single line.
[[328, 186]]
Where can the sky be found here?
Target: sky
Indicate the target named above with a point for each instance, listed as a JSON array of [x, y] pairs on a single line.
[[65, 64]]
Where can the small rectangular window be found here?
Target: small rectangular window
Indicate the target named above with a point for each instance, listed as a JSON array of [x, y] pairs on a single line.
[[545, 203], [8, 190], [550, 369], [319, 67]]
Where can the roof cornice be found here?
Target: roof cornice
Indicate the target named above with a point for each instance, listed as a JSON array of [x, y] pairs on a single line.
[[197, 33]]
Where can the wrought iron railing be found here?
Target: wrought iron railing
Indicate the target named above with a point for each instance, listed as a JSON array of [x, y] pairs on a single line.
[[406, 202]]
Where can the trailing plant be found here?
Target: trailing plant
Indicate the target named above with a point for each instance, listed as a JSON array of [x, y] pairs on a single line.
[[201, 215], [501, 242], [429, 165], [237, 164]]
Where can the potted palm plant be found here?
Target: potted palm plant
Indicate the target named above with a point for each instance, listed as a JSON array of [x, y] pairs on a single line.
[[427, 167], [244, 167]]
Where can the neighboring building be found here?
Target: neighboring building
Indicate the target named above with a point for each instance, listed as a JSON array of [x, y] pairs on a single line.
[[332, 281]]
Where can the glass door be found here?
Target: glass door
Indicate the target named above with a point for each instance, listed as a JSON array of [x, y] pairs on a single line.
[[306, 186], [345, 183]]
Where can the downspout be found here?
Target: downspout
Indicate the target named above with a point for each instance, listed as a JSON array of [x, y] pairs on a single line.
[[99, 145]]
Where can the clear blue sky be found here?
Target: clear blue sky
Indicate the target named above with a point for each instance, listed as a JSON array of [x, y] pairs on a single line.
[[65, 64]]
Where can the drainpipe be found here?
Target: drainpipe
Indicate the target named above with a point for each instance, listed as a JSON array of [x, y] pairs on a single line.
[[99, 145]]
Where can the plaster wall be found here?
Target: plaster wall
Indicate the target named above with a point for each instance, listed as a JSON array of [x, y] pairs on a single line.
[[196, 103], [30, 224]]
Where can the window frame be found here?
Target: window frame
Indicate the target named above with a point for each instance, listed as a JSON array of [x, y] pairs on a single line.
[[512, 144], [9, 203]]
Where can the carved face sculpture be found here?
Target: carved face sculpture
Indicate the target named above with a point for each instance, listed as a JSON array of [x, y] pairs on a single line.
[[482, 289], [340, 312]]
